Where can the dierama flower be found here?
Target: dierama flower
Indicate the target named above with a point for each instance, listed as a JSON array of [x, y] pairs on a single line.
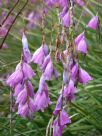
[[26, 51], [48, 69], [74, 72], [45, 63], [18, 89], [22, 72], [93, 23], [64, 118], [57, 129], [81, 44], [58, 105], [15, 78], [84, 77], [66, 20], [78, 38], [25, 100], [28, 73], [69, 91], [40, 54], [42, 99], [27, 109], [22, 97], [60, 122]]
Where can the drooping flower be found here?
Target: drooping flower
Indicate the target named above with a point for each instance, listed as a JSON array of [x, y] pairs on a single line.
[[57, 128], [27, 109], [42, 99], [48, 69], [23, 110], [41, 83], [60, 122], [28, 73], [22, 97], [26, 51], [69, 91], [45, 63], [30, 89], [40, 54], [66, 20], [25, 100], [64, 118], [93, 23], [18, 89], [81, 44], [15, 78], [58, 105], [84, 77], [78, 38], [74, 71]]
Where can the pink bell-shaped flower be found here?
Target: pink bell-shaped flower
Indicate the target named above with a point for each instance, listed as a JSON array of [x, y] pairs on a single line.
[[84, 77], [93, 23]]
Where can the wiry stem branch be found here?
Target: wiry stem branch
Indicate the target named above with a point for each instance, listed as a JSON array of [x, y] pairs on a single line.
[[10, 12], [13, 24]]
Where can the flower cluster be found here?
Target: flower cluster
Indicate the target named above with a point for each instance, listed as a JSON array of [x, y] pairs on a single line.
[[29, 102], [19, 81], [72, 73]]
